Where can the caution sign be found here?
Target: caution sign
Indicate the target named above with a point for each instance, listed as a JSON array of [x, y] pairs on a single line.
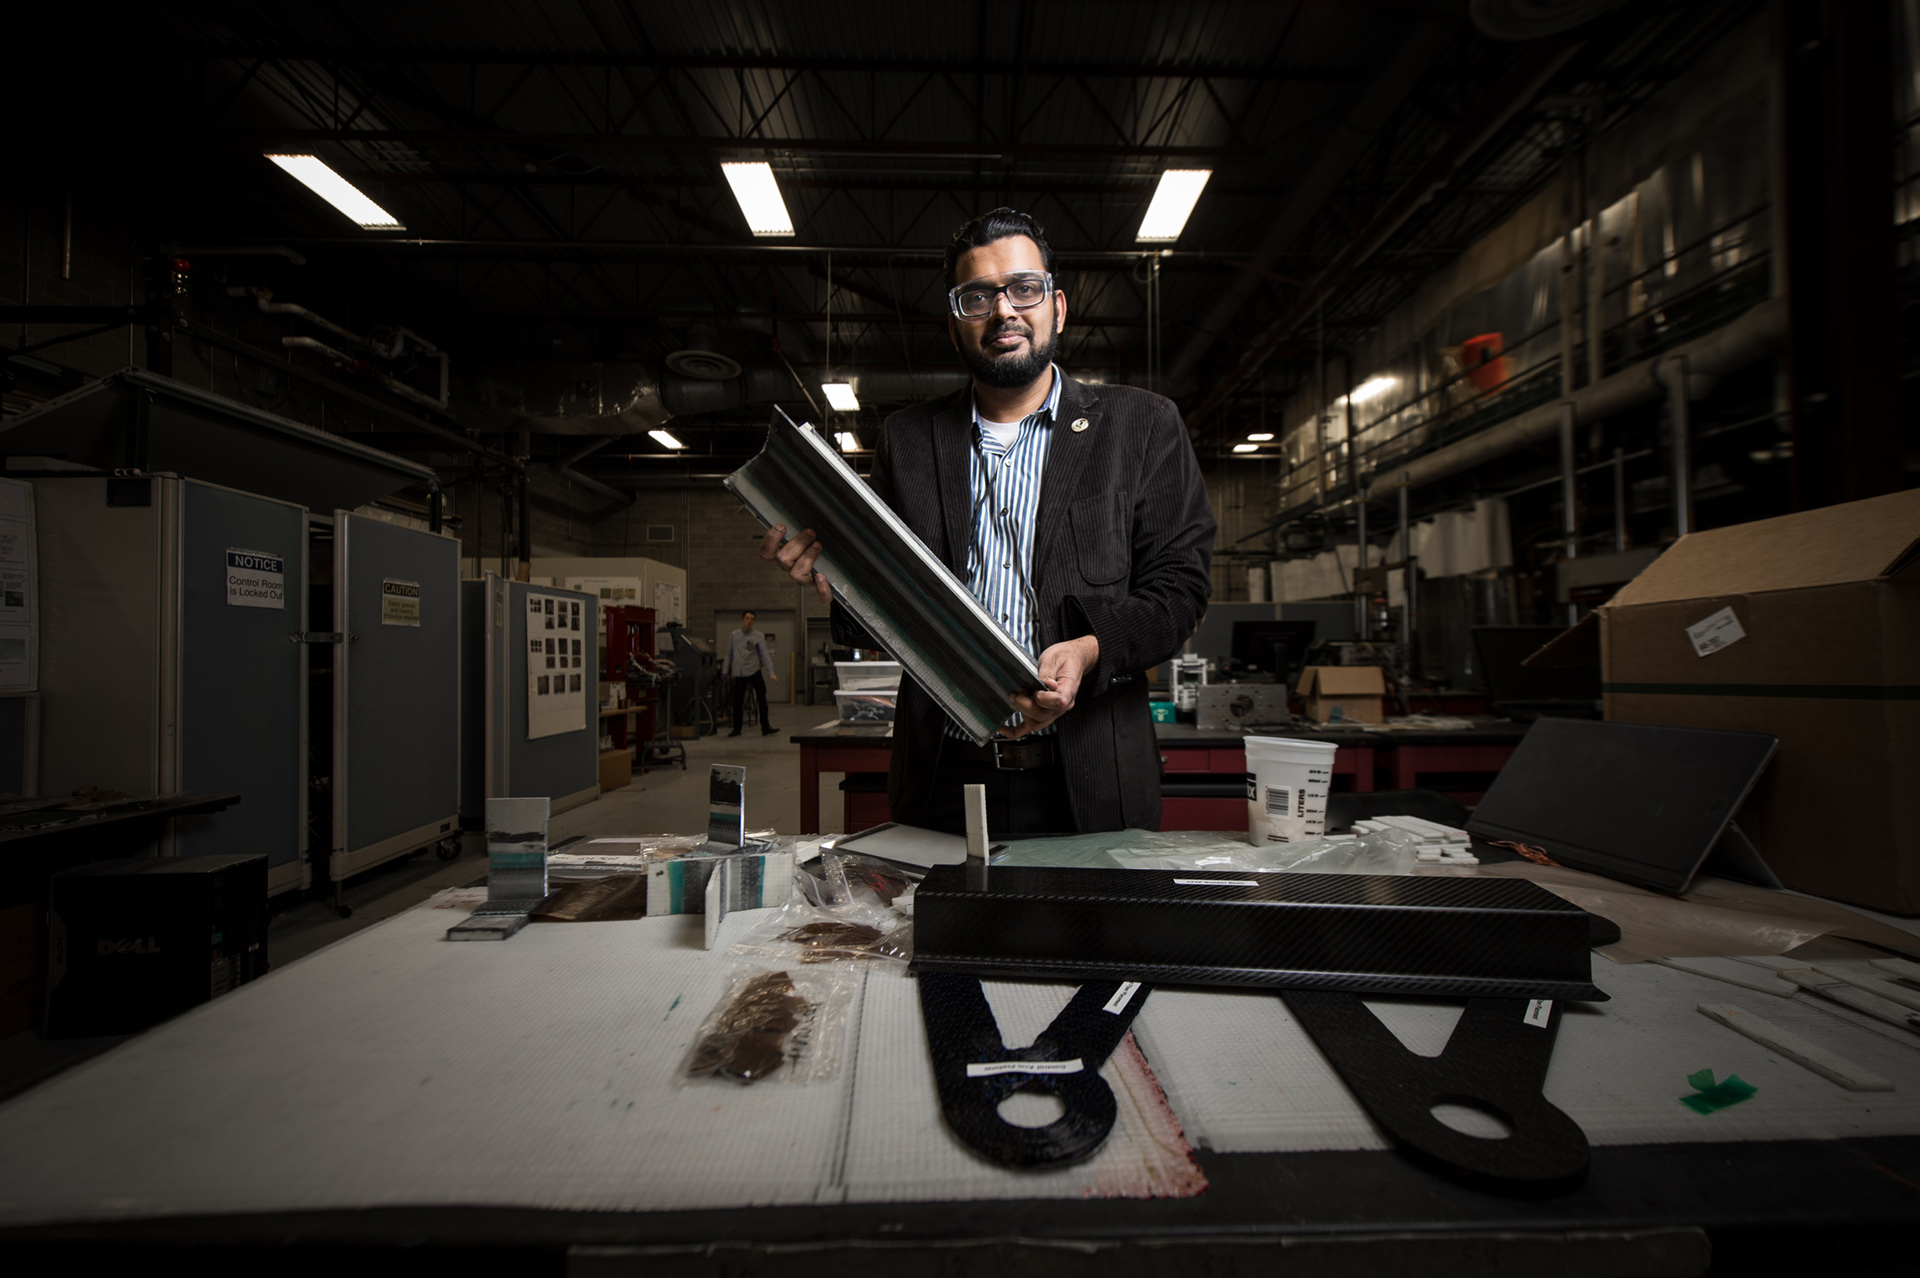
[[256, 579], [399, 602]]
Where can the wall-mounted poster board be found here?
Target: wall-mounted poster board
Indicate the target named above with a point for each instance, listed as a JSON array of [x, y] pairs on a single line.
[[560, 655], [19, 591]]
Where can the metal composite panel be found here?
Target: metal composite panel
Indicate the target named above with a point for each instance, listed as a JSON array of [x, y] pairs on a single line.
[[906, 598], [241, 680], [396, 692]]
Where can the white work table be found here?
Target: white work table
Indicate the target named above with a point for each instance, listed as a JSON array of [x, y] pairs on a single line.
[[524, 1091]]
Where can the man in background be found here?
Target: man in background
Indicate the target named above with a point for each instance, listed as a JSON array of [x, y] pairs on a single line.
[[747, 661]]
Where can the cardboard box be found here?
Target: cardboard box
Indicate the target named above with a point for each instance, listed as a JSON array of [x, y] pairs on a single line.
[[1807, 627], [616, 769], [1345, 694]]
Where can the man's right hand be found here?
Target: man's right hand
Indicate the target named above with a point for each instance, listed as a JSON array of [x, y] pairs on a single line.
[[796, 555]]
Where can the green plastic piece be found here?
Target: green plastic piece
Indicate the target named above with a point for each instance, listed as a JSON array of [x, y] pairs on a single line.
[[1711, 1095]]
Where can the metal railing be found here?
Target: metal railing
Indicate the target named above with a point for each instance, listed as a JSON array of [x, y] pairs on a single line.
[[1650, 311]]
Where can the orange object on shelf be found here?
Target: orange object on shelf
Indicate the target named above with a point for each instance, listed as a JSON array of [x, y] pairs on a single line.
[[1487, 368]]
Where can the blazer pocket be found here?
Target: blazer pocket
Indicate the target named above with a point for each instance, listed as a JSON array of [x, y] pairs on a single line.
[[1101, 537]]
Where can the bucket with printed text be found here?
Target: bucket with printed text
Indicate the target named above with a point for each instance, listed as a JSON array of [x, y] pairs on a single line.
[[1287, 784]]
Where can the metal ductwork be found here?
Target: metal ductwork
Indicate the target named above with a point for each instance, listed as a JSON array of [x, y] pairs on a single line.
[[1760, 333], [885, 388], [622, 399]]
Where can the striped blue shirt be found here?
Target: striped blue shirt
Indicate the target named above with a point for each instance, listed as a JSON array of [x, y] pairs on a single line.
[[1004, 482]]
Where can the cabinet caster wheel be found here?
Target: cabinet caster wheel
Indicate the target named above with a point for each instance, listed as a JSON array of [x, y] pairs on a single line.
[[448, 850]]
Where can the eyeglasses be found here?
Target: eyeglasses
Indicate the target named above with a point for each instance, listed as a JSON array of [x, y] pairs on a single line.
[[1024, 289]]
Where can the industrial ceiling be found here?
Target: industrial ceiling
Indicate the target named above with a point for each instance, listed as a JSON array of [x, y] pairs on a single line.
[[556, 167]]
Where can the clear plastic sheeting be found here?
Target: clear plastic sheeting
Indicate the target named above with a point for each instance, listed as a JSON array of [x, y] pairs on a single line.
[[1387, 853], [774, 1024]]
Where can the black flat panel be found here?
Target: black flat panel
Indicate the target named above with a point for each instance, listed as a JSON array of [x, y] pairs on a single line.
[[1366, 933], [1633, 801]]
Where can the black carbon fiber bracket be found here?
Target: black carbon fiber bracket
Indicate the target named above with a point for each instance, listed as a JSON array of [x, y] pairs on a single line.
[[1495, 1060], [962, 1033], [1365, 933]]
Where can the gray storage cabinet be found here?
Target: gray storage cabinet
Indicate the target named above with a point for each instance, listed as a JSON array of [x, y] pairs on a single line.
[[396, 692], [498, 761], [170, 657]]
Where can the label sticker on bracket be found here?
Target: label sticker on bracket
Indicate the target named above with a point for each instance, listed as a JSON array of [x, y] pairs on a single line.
[[1538, 1012], [990, 1068], [1121, 997], [1216, 883]]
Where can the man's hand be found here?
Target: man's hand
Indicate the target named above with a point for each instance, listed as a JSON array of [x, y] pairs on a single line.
[[1062, 667], [771, 675], [796, 556]]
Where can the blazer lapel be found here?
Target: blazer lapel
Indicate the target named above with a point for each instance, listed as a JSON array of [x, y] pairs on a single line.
[[952, 457], [1066, 459]]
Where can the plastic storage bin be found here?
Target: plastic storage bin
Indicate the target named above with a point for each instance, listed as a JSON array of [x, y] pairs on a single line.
[[866, 707], [868, 676]]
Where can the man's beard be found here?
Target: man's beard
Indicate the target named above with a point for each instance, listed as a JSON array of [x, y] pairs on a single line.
[[1011, 371]]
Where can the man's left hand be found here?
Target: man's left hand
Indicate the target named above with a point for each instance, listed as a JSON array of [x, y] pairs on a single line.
[[1062, 667]]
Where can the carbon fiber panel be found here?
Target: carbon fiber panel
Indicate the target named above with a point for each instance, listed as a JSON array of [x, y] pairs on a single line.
[[1386, 934]]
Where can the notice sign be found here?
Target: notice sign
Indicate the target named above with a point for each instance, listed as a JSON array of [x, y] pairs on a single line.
[[256, 579], [399, 602]]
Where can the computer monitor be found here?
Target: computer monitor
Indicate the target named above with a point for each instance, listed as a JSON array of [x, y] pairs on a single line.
[[1276, 646], [1554, 690]]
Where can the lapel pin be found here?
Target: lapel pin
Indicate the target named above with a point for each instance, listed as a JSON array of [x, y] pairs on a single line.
[[1080, 424]]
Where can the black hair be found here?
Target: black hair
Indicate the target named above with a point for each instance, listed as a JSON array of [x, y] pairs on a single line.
[[999, 224], [748, 612]]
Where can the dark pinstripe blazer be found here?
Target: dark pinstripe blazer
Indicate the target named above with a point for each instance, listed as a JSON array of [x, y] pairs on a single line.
[[1123, 550]]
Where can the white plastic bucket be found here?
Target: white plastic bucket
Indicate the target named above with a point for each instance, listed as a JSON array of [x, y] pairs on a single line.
[[1287, 785]]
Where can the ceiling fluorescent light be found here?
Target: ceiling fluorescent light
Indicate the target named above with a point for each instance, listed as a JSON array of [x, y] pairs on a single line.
[[759, 197], [1173, 202], [1373, 388], [312, 172], [1246, 448], [840, 397], [665, 440], [1261, 437], [849, 442]]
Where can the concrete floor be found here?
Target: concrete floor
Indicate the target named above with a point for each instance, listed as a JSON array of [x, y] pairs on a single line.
[[666, 800]]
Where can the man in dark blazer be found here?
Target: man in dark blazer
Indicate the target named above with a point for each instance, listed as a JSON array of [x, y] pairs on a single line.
[[1103, 573]]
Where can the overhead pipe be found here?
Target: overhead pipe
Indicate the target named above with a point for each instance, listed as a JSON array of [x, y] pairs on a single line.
[[1339, 151], [263, 296], [916, 385], [225, 342], [393, 384], [392, 349], [397, 345], [1760, 333], [564, 464], [238, 250]]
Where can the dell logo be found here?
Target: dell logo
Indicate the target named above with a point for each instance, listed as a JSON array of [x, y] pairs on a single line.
[[128, 945]]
